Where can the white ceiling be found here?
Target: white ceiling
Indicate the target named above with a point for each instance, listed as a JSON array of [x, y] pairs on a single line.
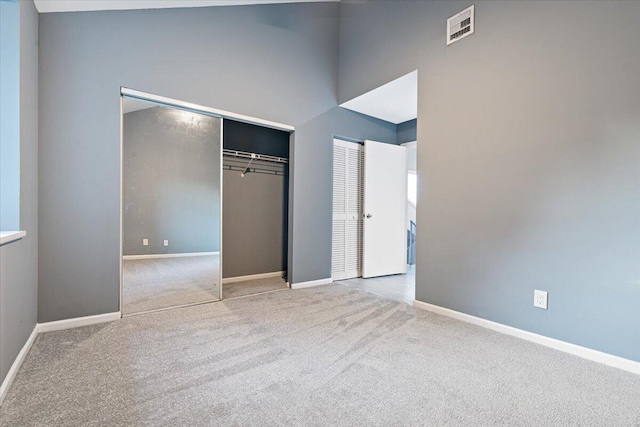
[[45, 6], [395, 102]]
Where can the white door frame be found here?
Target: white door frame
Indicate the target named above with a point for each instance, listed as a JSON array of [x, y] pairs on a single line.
[[199, 109], [409, 145]]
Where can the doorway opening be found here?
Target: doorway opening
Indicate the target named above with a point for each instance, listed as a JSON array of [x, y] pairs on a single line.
[[375, 197], [255, 220]]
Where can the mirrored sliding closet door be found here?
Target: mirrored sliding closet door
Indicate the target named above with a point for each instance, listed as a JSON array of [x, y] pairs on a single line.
[[171, 207]]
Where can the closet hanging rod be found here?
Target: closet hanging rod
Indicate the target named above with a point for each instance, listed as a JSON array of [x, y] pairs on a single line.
[[254, 156], [253, 170]]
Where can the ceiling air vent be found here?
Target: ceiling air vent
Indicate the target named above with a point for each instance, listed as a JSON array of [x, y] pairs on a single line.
[[460, 25]]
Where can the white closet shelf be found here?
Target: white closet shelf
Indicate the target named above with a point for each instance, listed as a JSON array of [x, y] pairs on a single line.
[[254, 156], [11, 236]]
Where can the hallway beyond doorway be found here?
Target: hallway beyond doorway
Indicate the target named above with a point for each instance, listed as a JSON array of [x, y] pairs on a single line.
[[398, 287]]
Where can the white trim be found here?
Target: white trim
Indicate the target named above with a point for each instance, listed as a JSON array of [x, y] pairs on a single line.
[[221, 211], [576, 350], [11, 236], [257, 293], [311, 283], [202, 109], [152, 256], [411, 172], [345, 275], [348, 144], [17, 363], [76, 322], [48, 327], [53, 6], [412, 144], [173, 307], [252, 277], [121, 207]]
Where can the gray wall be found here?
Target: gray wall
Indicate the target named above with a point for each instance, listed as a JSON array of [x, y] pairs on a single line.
[[277, 62], [528, 157], [253, 224], [407, 131], [171, 182], [19, 260]]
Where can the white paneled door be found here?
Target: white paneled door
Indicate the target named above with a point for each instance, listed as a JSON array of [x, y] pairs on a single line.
[[346, 259], [385, 210]]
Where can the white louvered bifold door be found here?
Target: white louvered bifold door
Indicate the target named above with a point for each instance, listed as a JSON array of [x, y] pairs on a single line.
[[346, 259]]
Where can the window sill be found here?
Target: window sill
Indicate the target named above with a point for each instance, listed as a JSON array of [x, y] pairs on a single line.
[[11, 236]]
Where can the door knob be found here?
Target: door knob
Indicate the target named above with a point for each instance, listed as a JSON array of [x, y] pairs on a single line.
[[369, 216]]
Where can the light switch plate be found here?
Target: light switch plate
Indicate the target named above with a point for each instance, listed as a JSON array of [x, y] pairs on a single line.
[[145, 242], [166, 243]]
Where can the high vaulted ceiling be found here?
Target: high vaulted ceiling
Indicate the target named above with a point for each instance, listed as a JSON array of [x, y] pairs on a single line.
[[395, 102], [45, 6]]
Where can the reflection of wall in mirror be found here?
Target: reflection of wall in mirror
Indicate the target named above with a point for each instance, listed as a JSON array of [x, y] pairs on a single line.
[[171, 182]]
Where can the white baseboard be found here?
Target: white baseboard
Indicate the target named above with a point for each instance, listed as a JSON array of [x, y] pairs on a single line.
[[17, 363], [311, 283], [252, 277], [576, 350], [153, 256], [77, 322], [48, 327]]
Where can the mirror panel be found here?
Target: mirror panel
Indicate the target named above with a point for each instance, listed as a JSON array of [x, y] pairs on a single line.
[[171, 207]]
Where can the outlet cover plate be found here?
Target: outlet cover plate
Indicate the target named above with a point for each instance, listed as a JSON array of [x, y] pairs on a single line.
[[540, 299], [166, 243]]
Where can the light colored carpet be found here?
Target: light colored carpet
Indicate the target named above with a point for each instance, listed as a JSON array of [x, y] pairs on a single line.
[[150, 284], [251, 287], [330, 355], [399, 287]]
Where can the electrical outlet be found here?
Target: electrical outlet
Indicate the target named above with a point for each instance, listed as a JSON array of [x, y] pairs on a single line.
[[145, 242], [166, 243], [540, 299]]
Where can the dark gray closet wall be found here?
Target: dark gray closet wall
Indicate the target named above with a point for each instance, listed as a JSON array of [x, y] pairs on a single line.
[[254, 224], [255, 206], [171, 182]]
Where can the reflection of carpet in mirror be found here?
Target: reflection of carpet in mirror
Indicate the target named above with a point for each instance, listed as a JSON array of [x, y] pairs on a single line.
[[252, 287], [151, 284]]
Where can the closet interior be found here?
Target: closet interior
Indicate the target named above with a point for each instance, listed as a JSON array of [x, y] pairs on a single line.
[[255, 193]]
